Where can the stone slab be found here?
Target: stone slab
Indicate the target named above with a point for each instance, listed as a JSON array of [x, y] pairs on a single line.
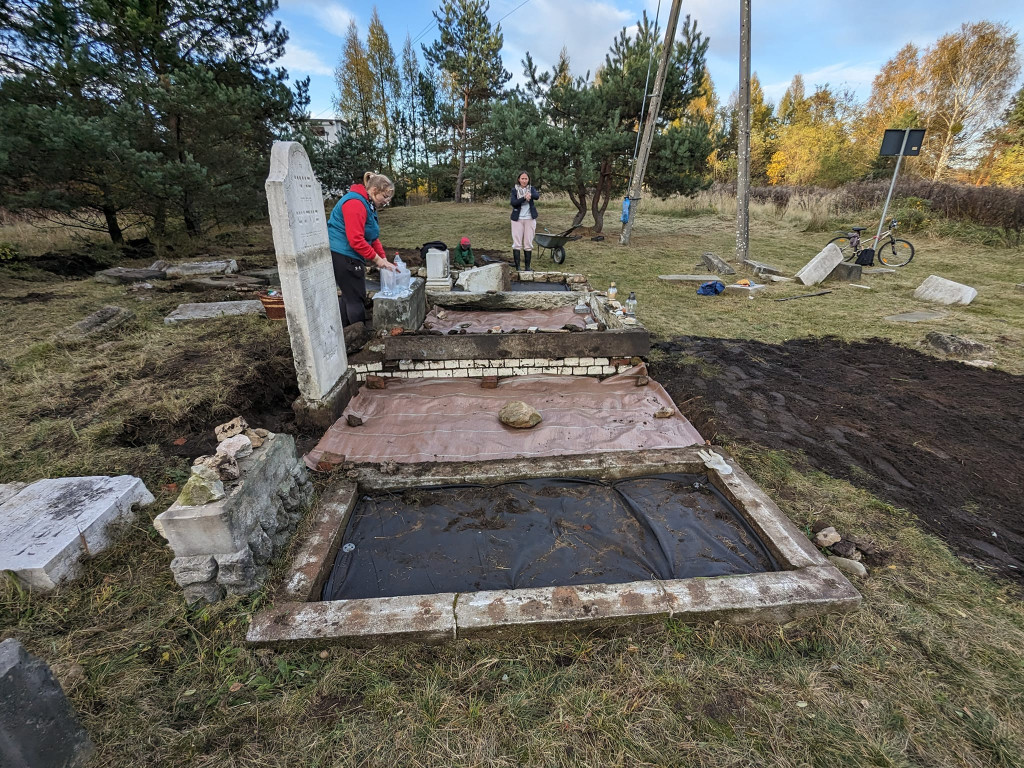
[[48, 525], [10, 490], [493, 277], [846, 273], [406, 311], [760, 268], [299, 224], [781, 279], [102, 320], [942, 291], [745, 290], [917, 317], [240, 283], [38, 728], [270, 274], [821, 266], [688, 278], [312, 562], [190, 313], [716, 264], [878, 271], [495, 346], [190, 268], [116, 275]]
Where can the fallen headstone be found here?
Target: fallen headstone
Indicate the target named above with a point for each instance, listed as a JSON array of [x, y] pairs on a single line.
[[745, 290], [920, 316], [518, 414], [187, 313], [38, 728], [958, 346], [821, 266], [116, 275], [943, 291], [781, 279], [190, 268], [878, 271], [48, 525], [760, 268], [270, 274], [688, 278], [493, 277], [847, 273], [100, 321], [240, 283], [716, 265]]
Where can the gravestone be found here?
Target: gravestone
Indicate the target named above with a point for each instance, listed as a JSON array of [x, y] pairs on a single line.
[[188, 313], [438, 270], [116, 275], [760, 268], [821, 266], [942, 291], [299, 223], [688, 278], [921, 316], [493, 277], [38, 728], [406, 311], [847, 273], [715, 264], [48, 525], [190, 268], [100, 321]]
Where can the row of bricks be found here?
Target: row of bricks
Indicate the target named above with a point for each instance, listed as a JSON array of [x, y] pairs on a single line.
[[464, 373], [437, 365]]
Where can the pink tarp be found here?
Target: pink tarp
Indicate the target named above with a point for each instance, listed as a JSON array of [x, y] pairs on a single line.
[[481, 321], [415, 420]]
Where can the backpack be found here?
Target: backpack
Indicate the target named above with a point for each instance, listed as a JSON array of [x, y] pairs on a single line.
[[866, 258], [434, 244]]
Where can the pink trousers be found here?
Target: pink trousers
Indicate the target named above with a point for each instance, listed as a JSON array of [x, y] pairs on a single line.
[[522, 233]]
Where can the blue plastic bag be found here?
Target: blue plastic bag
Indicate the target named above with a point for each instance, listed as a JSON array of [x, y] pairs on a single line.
[[711, 288], [625, 210]]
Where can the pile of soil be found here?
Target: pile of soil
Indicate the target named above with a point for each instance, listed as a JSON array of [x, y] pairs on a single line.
[[939, 438]]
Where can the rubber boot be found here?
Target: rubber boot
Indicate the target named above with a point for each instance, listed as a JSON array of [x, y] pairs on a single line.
[[515, 257], [528, 255]]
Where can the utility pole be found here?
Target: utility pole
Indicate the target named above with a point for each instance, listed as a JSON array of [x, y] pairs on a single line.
[[637, 181], [743, 136]]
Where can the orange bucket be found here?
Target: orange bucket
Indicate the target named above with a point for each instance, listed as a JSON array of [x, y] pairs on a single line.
[[274, 305]]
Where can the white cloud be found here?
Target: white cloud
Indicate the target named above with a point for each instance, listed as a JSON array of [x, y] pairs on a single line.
[[297, 59], [332, 17]]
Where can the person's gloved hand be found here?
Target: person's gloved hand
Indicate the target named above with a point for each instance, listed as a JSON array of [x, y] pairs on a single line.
[[713, 461]]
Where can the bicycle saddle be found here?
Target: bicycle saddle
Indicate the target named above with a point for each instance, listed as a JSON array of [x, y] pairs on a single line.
[[857, 229]]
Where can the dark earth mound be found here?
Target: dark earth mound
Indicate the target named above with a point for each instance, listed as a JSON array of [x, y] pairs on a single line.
[[939, 438]]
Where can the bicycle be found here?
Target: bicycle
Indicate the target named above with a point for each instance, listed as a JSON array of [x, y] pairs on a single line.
[[894, 252]]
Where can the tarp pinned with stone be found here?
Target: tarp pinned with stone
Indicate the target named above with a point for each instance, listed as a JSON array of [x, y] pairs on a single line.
[[473, 321], [415, 420]]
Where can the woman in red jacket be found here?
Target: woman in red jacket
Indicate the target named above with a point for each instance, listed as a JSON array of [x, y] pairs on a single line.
[[354, 235]]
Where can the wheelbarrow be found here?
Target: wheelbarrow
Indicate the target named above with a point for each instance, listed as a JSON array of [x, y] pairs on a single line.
[[555, 243]]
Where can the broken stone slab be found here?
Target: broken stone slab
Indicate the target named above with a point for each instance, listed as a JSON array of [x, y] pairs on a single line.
[[493, 277], [688, 278], [270, 274], [942, 291], [715, 264], [878, 271], [781, 279], [102, 320], [852, 567], [821, 266], [745, 290], [38, 728], [48, 525], [957, 346], [847, 273], [190, 268], [116, 275], [920, 316], [240, 283], [188, 313], [760, 268], [407, 312]]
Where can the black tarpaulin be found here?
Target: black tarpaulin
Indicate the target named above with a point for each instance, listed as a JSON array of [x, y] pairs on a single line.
[[542, 533]]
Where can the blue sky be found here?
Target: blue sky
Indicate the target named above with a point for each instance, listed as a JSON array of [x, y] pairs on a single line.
[[826, 41]]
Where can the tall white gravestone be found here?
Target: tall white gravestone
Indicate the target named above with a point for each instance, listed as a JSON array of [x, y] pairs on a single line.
[[307, 275]]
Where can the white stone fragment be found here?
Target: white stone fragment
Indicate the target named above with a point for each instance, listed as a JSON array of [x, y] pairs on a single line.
[[942, 291], [237, 447]]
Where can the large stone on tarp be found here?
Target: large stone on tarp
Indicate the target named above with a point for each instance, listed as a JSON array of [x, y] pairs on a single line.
[[493, 277], [189, 268], [821, 266], [38, 728], [48, 525], [406, 312], [942, 291], [716, 265], [117, 275], [189, 313]]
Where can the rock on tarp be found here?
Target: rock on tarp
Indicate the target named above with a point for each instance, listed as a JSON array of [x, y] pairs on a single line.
[[821, 266], [942, 291], [48, 525]]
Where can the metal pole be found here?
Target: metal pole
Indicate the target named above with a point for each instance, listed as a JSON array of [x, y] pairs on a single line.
[[637, 182], [743, 135], [892, 186]]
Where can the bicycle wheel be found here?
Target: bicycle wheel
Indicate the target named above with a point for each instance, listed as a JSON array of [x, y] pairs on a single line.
[[895, 253], [844, 246]]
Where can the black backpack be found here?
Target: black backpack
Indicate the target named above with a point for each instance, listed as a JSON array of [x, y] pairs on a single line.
[[866, 258], [436, 245]]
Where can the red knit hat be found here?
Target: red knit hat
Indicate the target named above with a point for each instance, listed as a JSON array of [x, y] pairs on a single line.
[[464, 241]]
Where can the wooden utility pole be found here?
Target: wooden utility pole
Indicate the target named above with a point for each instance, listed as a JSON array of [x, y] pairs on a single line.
[[743, 136], [637, 181]]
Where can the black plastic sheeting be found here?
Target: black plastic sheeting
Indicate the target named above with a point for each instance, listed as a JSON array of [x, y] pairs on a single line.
[[542, 533]]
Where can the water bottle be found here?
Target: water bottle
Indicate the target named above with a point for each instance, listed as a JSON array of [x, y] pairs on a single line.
[[613, 292], [387, 283], [631, 304]]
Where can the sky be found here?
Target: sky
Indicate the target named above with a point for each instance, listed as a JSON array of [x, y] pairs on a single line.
[[838, 42]]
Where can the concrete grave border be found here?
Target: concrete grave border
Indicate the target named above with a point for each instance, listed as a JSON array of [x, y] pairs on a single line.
[[807, 585]]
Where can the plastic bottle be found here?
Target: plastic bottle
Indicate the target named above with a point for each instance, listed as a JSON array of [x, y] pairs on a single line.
[[387, 283], [403, 278], [631, 304], [613, 292]]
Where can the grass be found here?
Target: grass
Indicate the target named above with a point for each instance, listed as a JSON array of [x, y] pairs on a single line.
[[929, 672]]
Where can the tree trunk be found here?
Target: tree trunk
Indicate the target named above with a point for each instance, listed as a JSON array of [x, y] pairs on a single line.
[[580, 201], [160, 221], [602, 192], [193, 220], [113, 228], [462, 150]]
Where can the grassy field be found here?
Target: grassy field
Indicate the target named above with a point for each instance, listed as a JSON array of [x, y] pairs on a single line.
[[930, 671]]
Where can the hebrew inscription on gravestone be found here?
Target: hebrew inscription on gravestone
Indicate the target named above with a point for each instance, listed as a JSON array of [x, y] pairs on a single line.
[[307, 275]]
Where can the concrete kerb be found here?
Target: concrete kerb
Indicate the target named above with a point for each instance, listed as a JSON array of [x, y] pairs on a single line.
[[807, 585]]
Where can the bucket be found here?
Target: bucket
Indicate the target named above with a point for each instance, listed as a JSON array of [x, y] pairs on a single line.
[[274, 305]]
